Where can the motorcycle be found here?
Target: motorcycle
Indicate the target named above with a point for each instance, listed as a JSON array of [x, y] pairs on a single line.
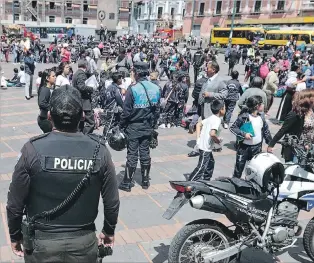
[[263, 216]]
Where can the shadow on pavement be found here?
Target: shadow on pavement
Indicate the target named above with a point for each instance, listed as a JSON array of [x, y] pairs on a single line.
[[162, 255], [230, 145], [191, 143], [297, 253]]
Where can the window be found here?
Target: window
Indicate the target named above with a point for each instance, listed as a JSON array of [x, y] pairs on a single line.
[[159, 13], [52, 19], [172, 12], [183, 13], [111, 16], [16, 17], [221, 33], [218, 7], [238, 34], [281, 5], [257, 7], [68, 20], [145, 26], [69, 6], [201, 9], [52, 5], [85, 7], [238, 7], [85, 20]]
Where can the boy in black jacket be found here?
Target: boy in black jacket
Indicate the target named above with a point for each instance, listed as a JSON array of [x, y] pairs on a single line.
[[234, 89]]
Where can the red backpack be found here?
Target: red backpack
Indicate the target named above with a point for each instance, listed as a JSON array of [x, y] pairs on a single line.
[[263, 70]]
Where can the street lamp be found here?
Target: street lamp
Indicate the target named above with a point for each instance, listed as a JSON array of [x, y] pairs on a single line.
[[232, 22]]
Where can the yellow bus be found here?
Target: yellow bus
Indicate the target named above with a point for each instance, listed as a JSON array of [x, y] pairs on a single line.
[[276, 38], [240, 36]]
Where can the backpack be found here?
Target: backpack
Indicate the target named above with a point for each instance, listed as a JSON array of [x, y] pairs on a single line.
[[263, 70]]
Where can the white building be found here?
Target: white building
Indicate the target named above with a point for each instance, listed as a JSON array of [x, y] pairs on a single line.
[[151, 14]]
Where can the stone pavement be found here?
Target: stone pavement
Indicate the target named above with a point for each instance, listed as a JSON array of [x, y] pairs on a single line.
[[142, 234]]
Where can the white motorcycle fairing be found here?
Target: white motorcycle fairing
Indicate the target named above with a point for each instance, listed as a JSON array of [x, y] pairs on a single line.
[[298, 184]]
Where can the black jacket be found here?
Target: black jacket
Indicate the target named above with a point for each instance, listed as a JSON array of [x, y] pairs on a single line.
[[198, 59], [293, 125], [111, 96], [234, 89], [39, 186], [78, 82], [43, 101]]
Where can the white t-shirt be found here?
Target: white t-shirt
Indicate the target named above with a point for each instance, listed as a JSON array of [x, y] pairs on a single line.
[[257, 123], [61, 80], [21, 75], [205, 143], [126, 83], [38, 80]]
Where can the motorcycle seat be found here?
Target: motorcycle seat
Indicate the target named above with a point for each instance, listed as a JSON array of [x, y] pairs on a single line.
[[238, 187]]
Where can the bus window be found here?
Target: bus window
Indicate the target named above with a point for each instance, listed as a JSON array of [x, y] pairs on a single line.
[[286, 37], [237, 34], [270, 37], [312, 38], [278, 36], [250, 36]]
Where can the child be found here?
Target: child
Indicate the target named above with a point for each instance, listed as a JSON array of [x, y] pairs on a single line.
[[21, 76], [207, 134], [38, 80], [234, 89], [250, 136]]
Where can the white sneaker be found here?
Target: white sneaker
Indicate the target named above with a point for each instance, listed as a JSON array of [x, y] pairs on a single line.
[[226, 126], [168, 126], [162, 126]]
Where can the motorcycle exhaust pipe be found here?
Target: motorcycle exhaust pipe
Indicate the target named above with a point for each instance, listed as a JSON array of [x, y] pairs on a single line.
[[197, 201], [208, 203]]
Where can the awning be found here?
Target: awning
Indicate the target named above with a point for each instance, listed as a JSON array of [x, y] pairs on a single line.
[[292, 20]]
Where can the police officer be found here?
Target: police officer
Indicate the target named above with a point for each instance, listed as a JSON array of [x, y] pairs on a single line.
[[49, 168], [112, 103], [139, 118]]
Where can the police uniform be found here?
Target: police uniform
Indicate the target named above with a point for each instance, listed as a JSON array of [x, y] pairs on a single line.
[[49, 168], [138, 119]]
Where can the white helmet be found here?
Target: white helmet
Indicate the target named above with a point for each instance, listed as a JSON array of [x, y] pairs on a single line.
[[265, 168]]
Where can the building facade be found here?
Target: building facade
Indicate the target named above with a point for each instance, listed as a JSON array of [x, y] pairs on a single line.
[[149, 15], [267, 13], [54, 12]]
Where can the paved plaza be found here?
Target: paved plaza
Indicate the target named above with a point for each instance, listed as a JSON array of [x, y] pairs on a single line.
[[142, 235]]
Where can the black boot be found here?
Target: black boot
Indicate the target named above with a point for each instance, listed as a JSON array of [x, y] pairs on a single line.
[[126, 184], [145, 169]]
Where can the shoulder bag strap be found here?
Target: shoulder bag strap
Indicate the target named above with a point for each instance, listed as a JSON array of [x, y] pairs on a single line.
[[150, 103]]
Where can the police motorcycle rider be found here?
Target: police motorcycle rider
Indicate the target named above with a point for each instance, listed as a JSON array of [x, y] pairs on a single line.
[[112, 103], [139, 118], [44, 177], [198, 60]]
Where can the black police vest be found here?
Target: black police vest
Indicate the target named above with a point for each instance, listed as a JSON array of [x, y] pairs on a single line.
[[63, 160]]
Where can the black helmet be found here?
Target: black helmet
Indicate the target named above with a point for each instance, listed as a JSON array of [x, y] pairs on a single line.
[[117, 140]]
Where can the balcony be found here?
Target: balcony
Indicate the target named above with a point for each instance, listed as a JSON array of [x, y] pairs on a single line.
[[308, 6]]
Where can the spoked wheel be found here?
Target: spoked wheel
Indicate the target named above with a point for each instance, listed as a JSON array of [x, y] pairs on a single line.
[[308, 239], [191, 240]]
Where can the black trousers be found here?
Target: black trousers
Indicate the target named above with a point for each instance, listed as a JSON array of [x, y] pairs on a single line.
[[138, 147], [64, 248], [87, 126], [196, 72], [205, 167], [230, 105], [245, 153], [44, 124]]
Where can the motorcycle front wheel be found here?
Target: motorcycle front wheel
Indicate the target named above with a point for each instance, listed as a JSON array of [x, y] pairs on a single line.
[[191, 240], [308, 239]]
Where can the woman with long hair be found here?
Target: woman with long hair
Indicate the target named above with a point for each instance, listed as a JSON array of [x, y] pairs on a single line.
[[299, 122], [48, 80], [62, 74]]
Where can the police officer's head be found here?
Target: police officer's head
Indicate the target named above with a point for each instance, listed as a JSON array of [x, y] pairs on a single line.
[[141, 70], [66, 109]]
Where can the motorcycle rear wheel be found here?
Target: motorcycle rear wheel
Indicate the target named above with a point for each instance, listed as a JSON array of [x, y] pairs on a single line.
[[198, 236], [308, 239]]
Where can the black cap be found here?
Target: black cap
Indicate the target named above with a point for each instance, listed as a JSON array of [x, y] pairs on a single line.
[[141, 66]]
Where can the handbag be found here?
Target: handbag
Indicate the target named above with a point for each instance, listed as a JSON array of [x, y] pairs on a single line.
[[153, 142]]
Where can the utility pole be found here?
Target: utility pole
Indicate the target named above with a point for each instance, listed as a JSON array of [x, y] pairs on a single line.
[[131, 14], [1, 17], [13, 18], [232, 22], [192, 19]]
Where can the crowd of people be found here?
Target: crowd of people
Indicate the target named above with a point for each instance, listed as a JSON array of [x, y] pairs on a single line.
[[117, 85]]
